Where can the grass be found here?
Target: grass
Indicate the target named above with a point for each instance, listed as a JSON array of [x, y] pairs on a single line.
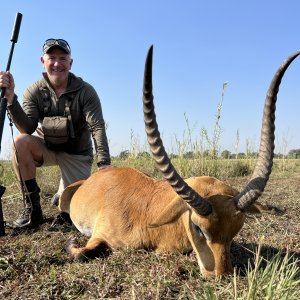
[[274, 281], [34, 264]]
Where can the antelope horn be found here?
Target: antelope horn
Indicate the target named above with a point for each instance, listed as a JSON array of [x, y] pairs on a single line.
[[263, 167], [161, 158]]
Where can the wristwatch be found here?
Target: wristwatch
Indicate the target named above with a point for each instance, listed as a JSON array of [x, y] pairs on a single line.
[[102, 163]]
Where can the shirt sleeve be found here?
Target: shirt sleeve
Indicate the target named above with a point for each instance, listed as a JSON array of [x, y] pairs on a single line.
[[25, 118], [93, 113]]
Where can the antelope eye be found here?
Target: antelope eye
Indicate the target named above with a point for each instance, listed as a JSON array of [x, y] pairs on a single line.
[[202, 232], [198, 229]]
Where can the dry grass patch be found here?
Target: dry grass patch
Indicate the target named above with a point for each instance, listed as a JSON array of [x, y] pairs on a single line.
[[34, 264]]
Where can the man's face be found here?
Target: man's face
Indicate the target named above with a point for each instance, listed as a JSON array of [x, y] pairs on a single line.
[[57, 64]]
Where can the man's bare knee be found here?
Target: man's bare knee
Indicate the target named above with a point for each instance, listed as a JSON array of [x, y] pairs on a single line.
[[26, 152]]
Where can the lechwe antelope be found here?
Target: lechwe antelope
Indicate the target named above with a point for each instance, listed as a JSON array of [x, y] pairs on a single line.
[[122, 207]]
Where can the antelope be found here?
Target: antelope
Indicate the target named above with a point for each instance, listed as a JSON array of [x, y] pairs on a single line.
[[120, 207]]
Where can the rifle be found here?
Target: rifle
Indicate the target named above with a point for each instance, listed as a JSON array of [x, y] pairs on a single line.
[[3, 105]]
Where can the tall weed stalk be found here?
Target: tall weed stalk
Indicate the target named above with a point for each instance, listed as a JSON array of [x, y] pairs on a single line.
[[200, 157]]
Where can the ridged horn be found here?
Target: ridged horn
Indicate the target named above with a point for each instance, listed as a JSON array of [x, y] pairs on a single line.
[[263, 167], [161, 158]]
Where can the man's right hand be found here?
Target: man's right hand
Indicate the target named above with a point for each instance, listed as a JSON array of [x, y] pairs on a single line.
[[7, 82]]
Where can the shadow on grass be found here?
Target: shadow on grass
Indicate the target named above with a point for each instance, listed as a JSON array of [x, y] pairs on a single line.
[[244, 253], [56, 223]]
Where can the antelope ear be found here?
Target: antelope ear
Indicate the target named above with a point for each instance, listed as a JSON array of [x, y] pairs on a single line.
[[67, 194], [170, 214]]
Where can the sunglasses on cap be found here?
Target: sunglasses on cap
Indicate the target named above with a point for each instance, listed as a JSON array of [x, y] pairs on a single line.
[[58, 43]]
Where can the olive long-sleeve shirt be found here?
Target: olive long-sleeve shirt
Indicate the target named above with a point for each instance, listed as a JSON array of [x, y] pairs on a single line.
[[85, 109]]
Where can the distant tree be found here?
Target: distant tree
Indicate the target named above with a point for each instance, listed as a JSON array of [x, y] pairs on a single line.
[[198, 154], [213, 153], [241, 155], [253, 154], [124, 154], [279, 155], [188, 155], [294, 153], [225, 154], [206, 153], [143, 154]]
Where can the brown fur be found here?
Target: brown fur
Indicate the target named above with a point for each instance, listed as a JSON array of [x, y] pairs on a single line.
[[122, 207]]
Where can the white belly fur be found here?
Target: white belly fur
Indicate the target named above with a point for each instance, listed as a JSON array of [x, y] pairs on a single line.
[[87, 231]]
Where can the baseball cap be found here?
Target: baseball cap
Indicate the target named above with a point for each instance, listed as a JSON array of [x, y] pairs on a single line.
[[60, 43]]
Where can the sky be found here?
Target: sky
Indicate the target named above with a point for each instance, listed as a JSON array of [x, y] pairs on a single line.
[[198, 46]]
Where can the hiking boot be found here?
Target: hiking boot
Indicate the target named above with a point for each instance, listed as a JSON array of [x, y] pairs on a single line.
[[29, 217], [32, 215]]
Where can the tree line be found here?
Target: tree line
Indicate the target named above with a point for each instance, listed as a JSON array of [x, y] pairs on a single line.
[[225, 154]]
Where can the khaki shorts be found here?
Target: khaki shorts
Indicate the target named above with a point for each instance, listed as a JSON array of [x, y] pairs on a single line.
[[73, 167]]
